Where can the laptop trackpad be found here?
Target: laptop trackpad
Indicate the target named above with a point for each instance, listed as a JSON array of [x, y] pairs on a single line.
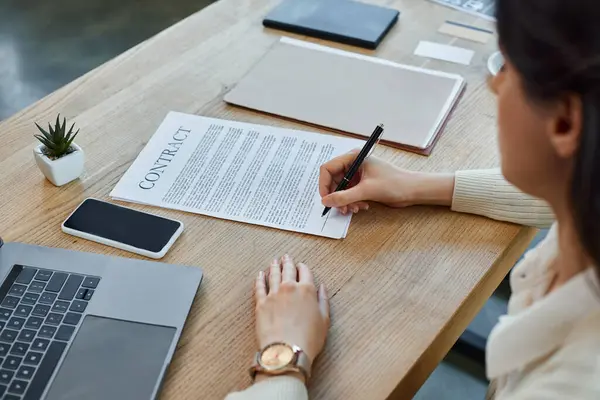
[[112, 359]]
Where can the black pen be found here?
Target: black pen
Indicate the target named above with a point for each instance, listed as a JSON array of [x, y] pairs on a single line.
[[362, 156]]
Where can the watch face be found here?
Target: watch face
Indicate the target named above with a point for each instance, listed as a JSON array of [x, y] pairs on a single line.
[[276, 356]]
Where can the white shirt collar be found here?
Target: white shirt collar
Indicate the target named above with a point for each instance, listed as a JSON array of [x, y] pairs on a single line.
[[519, 339]]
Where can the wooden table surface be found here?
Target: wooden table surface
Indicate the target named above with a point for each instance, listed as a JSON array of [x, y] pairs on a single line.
[[404, 283]]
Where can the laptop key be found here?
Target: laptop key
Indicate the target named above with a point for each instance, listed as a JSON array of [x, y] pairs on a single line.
[[6, 375], [45, 371], [60, 306], [47, 331], [5, 314], [70, 288], [25, 372], [90, 282], [56, 282], [81, 293], [37, 286], [17, 386], [16, 323], [4, 347], [54, 319], [17, 290], [40, 310], [43, 275], [34, 322], [12, 362], [26, 275], [72, 318], [8, 335], [47, 298], [12, 397], [33, 358], [23, 311], [26, 335], [3, 390], [78, 306], [64, 332], [88, 294], [10, 302], [19, 349], [40, 344], [30, 298]]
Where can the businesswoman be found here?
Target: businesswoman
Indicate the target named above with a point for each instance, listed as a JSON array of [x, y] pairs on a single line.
[[548, 347]]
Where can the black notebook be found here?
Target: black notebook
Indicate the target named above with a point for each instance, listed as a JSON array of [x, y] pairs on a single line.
[[343, 21]]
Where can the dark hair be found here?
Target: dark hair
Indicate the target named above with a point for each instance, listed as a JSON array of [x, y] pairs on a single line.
[[555, 47]]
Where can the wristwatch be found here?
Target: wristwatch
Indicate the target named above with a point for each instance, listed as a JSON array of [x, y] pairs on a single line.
[[281, 358]]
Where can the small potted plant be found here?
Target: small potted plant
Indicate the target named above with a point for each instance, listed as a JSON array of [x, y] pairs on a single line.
[[58, 157]]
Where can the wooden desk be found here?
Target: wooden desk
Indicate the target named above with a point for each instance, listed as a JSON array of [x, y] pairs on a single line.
[[404, 284]]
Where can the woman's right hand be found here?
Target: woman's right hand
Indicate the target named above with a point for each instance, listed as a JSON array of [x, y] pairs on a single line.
[[380, 181]]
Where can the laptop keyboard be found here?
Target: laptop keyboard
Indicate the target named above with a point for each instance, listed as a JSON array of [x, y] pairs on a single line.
[[40, 310]]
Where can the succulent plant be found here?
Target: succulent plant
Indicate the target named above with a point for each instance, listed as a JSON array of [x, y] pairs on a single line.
[[57, 141]]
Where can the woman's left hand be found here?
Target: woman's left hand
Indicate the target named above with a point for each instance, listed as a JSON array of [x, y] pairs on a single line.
[[290, 309]]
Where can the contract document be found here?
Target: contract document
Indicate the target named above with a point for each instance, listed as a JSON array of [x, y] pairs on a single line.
[[237, 171]]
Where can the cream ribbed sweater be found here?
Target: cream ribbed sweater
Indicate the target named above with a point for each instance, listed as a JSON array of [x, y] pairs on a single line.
[[486, 192], [483, 192]]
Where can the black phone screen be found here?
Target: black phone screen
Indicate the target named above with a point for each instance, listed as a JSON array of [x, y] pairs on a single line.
[[123, 225]]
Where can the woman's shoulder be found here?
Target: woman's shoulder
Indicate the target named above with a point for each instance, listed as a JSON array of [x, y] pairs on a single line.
[[585, 334], [572, 371], [579, 356]]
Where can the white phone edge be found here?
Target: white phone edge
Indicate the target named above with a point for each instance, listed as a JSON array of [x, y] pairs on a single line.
[[119, 245]]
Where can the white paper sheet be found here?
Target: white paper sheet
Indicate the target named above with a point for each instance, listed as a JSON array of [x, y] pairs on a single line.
[[242, 172], [444, 52]]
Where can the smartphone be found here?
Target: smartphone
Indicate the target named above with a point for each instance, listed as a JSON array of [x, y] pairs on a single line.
[[124, 228]]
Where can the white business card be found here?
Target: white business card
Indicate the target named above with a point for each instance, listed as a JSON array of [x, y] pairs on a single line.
[[444, 52]]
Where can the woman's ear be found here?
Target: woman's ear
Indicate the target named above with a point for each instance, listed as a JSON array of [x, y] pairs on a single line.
[[566, 125]]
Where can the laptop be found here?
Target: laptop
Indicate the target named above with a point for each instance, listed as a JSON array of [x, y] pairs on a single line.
[[86, 326]]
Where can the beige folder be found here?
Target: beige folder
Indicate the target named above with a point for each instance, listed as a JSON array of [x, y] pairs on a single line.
[[351, 93]]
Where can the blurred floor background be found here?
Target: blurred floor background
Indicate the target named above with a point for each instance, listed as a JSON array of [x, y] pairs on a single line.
[[44, 45]]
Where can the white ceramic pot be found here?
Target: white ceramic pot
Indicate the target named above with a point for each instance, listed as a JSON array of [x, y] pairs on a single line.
[[63, 170]]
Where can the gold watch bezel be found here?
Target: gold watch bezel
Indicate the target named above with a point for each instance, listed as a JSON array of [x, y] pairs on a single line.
[[299, 362], [270, 368]]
